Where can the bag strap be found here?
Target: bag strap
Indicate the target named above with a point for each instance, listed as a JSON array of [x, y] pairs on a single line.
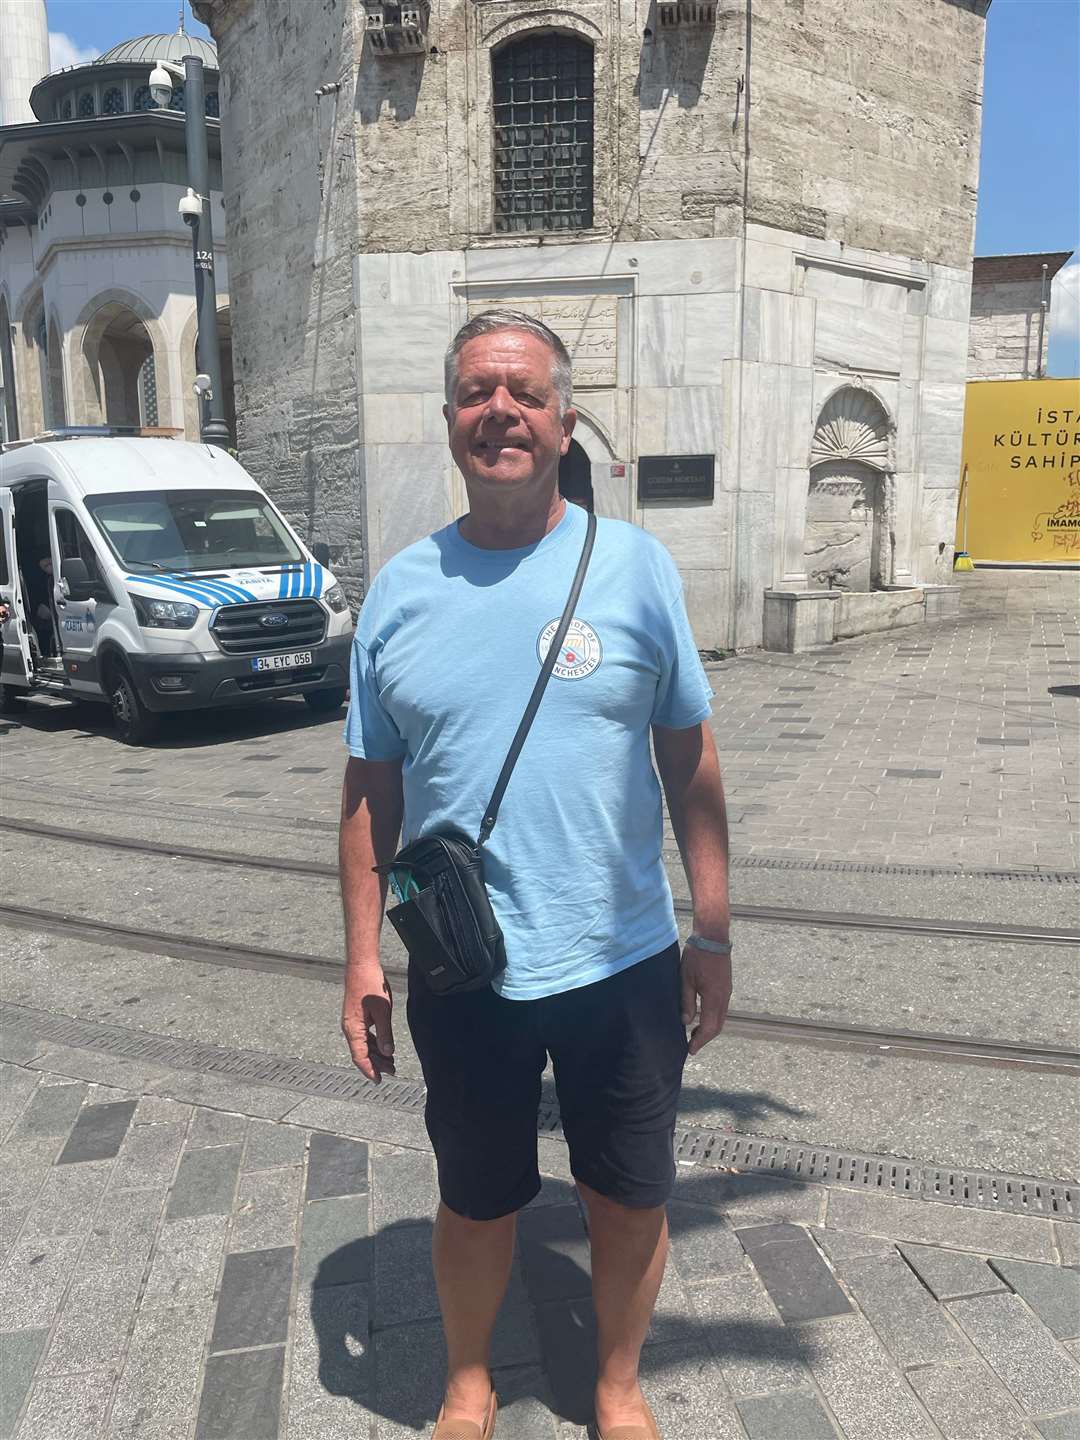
[[491, 814]]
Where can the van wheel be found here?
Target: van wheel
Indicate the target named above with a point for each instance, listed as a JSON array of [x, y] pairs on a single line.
[[11, 699], [135, 724], [323, 701]]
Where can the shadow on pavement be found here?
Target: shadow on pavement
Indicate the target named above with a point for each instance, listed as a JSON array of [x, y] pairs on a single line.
[[380, 1344]]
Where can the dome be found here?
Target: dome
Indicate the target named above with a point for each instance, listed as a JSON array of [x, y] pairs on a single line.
[[149, 49]]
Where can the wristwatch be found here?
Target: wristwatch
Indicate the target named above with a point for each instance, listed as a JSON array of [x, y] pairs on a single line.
[[713, 947]]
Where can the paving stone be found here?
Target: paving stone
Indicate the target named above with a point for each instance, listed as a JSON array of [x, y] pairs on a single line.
[[156, 1110], [554, 1191], [685, 1389], [367, 1122], [336, 1166], [92, 1330], [782, 1417], [743, 1330], [71, 1408], [332, 1365], [242, 1396], [948, 1274], [99, 1132], [515, 1341], [67, 1201], [863, 1387], [253, 1304], [123, 1231], [267, 1209], [673, 1317], [11, 1222], [24, 1166], [404, 1187], [148, 1156], [335, 1246], [567, 1331], [525, 1411], [205, 1182], [52, 1110], [34, 1279], [924, 1222], [20, 1351], [554, 1253], [410, 1367], [703, 1244], [914, 1328], [839, 1245], [1067, 1235], [751, 1199], [159, 1385], [404, 1279], [1060, 1427], [1035, 1371], [220, 1093], [966, 1403], [187, 1261], [270, 1145], [1053, 1293], [216, 1127], [797, 1279], [18, 1048]]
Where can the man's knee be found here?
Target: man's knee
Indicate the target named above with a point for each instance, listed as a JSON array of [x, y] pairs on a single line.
[[604, 1210]]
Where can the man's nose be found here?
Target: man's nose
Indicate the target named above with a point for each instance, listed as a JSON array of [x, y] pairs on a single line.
[[502, 405]]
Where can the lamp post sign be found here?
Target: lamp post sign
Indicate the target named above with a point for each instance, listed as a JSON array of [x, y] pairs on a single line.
[[196, 209]]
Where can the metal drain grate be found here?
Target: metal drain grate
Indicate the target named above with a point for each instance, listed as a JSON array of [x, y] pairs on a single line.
[[714, 1149], [925, 872]]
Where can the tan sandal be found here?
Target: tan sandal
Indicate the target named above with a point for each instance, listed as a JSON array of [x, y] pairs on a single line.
[[468, 1429], [632, 1432]]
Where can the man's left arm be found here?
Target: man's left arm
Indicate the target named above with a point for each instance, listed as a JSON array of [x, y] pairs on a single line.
[[690, 772]]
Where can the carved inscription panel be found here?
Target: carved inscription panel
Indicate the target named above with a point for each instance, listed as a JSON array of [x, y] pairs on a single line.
[[586, 324]]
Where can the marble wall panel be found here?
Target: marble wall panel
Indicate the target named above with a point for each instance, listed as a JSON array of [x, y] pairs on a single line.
[[424, 279], [402, 346], [672, 267], [710, 338], [801, 417], [433, 420], [770, 266], [698, 533], [661, 328], [710, 606], [907, 411], [765, 396], [945, 350], [911, 357], [755, 552], [371, 279], [778, 329], [541, 262], [850, 338], [937, 521], [652, 403], [408, 495], [949, 293], [941, 420], [694, 420], [393, 419]]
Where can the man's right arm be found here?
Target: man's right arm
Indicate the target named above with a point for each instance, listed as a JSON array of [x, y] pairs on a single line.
[[371, 811]]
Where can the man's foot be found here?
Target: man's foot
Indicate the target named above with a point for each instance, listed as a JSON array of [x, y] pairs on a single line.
[[466, 1422], [625, 1417]]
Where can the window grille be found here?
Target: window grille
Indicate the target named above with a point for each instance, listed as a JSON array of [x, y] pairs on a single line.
[[143, 99], [86, 104], [177, 101], [148, 402], [213, 107], [113, 102], [543, 98]]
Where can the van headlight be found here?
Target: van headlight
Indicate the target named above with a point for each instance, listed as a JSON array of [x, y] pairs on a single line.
[[164, 614], [336, 598]]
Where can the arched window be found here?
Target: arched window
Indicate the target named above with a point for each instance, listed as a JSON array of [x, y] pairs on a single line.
[[65, 108], [177, 101], [213, 106], [543, 152], [143, 99], [148, 406], [86, 104], [113, 102]]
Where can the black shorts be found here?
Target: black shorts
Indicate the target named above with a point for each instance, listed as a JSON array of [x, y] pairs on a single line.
[[617, 1048]]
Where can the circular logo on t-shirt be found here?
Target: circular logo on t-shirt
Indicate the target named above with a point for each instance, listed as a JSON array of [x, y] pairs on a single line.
[[581, 650]]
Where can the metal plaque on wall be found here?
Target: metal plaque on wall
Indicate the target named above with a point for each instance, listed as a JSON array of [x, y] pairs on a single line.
[[676, 477]]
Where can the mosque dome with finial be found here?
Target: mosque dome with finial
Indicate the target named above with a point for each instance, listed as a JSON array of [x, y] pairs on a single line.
[[149, 49]]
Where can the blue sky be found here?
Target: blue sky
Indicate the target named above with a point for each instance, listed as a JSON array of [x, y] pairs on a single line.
[[1029, 189]]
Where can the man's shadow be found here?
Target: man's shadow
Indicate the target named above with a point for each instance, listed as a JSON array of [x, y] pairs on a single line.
[[375, 1315]]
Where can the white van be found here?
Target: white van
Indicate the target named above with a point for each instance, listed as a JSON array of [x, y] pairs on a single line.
[[153, 574]]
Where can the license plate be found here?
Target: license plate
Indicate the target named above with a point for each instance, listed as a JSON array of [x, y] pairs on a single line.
[[292, 661]]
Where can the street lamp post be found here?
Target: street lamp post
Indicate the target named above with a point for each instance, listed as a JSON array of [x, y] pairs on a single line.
[[196, 208]]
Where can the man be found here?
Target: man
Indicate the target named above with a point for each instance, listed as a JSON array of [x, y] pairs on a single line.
[[448, 646]]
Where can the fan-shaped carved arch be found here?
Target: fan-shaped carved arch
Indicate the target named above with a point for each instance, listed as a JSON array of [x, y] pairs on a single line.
[[853, 425]]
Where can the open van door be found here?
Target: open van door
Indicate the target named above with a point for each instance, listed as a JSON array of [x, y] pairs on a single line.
[[17, 667]]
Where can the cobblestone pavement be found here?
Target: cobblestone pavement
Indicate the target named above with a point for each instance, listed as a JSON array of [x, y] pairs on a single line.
[[954, 743], [210, 1260]]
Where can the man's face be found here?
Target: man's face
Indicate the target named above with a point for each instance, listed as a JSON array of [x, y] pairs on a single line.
[[504, 427]]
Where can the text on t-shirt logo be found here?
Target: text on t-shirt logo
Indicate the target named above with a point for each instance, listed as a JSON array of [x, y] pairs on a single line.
[[581, 650]]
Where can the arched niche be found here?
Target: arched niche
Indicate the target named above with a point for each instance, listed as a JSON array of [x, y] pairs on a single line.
[[848, 534], [119, 355], [54, 375]]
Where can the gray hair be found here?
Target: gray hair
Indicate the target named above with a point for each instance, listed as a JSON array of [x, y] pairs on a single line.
[[490, 322]]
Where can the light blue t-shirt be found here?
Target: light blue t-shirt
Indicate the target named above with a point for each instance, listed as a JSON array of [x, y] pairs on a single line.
[[448, 646]]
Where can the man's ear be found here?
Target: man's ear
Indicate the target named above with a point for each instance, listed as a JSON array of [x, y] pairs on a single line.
[[446, 415], [569, 420]]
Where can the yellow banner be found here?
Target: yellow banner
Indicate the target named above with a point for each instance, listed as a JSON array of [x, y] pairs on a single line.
[[1022, 452]]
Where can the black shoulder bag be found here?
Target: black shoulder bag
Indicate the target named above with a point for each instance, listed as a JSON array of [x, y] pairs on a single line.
[[445, 919]]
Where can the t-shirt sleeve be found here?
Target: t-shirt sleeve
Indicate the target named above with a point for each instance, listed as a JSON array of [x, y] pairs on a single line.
[[370, 732], [682, 692]]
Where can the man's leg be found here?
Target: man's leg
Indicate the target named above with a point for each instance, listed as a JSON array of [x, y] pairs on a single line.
[[629, 1250], [472, 1261]]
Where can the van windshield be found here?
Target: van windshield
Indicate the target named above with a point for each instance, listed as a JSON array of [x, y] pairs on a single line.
[[192, 529]]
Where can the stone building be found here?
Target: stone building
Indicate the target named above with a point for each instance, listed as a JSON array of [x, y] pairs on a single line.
[[97, 290], [752, 223], [1010, 315]]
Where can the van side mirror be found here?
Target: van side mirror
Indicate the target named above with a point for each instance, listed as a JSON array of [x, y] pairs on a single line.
[[321, 552], [78, 581]]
